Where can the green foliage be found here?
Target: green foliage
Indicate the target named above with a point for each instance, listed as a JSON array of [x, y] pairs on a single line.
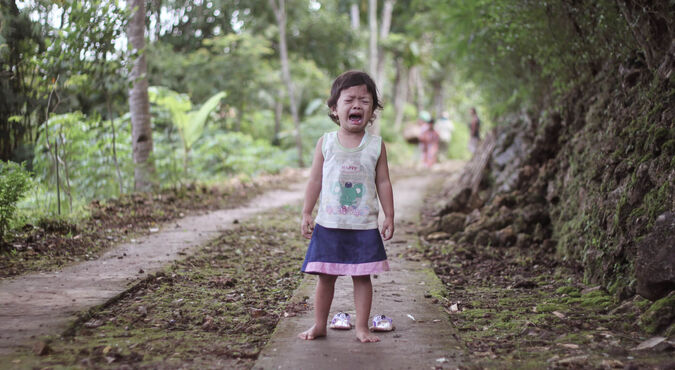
[[82, 146], [458, 145], [66, 46], [237, 61], [190, 123], [14, 181], [398, 150], [518, 49], [223, 154], [311, 130]]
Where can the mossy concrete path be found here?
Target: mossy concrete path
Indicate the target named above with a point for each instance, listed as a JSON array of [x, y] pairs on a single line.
[[423, 337], [45, 303]]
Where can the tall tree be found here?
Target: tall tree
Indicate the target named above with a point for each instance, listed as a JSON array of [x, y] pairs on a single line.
[[354, 16], [372, 41], [385, 26], [19, 41], [139, 105], [279, 7]]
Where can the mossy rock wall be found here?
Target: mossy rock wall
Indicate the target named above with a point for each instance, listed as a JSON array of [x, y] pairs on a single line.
[[615, 175], [584, 180]]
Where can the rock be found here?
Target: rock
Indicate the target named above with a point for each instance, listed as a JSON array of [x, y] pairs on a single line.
[[539, 233], [536, 213], [93, 323], [458, 201], [575, 361], [506, 236], [439, 235], [41, 348], [523, 240], [482, 238], [452, 222], [655, 261], [549, 245], [591, 289], [209, 324], [525, 284], [660, 315], [650, 343], [612, 364], [472, 217], [629, 306]]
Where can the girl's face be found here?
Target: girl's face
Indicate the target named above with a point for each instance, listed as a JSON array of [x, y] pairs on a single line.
[[354, 108]]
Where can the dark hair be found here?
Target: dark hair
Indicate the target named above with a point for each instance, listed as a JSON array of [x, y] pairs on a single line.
[[349, 79]]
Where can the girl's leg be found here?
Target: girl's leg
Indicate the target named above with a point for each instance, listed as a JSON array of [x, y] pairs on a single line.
[[363, 298], [325, 288]]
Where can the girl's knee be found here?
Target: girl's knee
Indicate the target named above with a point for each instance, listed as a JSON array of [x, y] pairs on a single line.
[[364, 279], [327, 279]]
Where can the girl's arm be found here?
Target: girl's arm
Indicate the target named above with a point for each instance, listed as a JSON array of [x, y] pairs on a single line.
[[312, 192], [385, 193]]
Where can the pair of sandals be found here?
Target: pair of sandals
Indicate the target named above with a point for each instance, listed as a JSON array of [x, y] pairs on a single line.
[[342, 321]]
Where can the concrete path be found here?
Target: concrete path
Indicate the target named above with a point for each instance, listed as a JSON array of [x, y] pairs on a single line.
[[425, 342], [45, 303]]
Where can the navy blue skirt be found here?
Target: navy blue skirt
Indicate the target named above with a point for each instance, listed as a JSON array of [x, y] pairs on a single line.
[[345, 252]]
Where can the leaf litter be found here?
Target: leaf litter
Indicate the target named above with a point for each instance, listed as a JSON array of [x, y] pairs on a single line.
[[51, 244], [214, 309], [518, 308]]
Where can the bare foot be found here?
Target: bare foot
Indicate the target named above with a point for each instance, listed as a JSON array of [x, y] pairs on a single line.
[[365, 337], [312, 333]]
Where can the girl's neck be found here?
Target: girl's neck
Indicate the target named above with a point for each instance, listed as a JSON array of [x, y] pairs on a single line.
[[350, 139]]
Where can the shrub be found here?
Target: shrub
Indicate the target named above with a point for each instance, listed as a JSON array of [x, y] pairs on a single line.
[[14, 181]]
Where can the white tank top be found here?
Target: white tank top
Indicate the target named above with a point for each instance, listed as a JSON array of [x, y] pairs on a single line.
[[348, 193]]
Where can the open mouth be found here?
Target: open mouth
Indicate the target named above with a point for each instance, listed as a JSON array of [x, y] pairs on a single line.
[[356, 118]]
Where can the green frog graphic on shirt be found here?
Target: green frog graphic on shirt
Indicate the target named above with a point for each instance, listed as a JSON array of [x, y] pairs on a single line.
[[350, 194]]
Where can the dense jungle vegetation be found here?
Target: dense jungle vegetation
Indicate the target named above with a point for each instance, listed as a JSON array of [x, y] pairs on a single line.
[[104, 98]]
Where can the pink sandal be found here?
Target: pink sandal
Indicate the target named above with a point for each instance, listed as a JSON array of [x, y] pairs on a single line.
[[341, 321]]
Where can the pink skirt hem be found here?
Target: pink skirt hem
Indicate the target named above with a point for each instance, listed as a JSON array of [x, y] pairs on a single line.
[[348, 269]]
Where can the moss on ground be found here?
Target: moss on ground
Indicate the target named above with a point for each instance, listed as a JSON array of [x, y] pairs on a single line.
[[519, 309]]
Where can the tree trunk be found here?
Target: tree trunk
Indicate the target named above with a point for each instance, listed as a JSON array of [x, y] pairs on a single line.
[[384, 34], [651, 26], [280, 14], [114, 144], [415, 81], [139, 105], [373, 55], [400, 92], [355, 16], [278, 111], [439, 97], [372, 45]]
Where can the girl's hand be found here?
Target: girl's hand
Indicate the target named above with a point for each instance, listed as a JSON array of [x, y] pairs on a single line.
[[307, 226], [387, 229]]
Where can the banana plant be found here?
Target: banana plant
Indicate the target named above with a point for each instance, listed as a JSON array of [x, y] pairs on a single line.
[[190, 123]]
